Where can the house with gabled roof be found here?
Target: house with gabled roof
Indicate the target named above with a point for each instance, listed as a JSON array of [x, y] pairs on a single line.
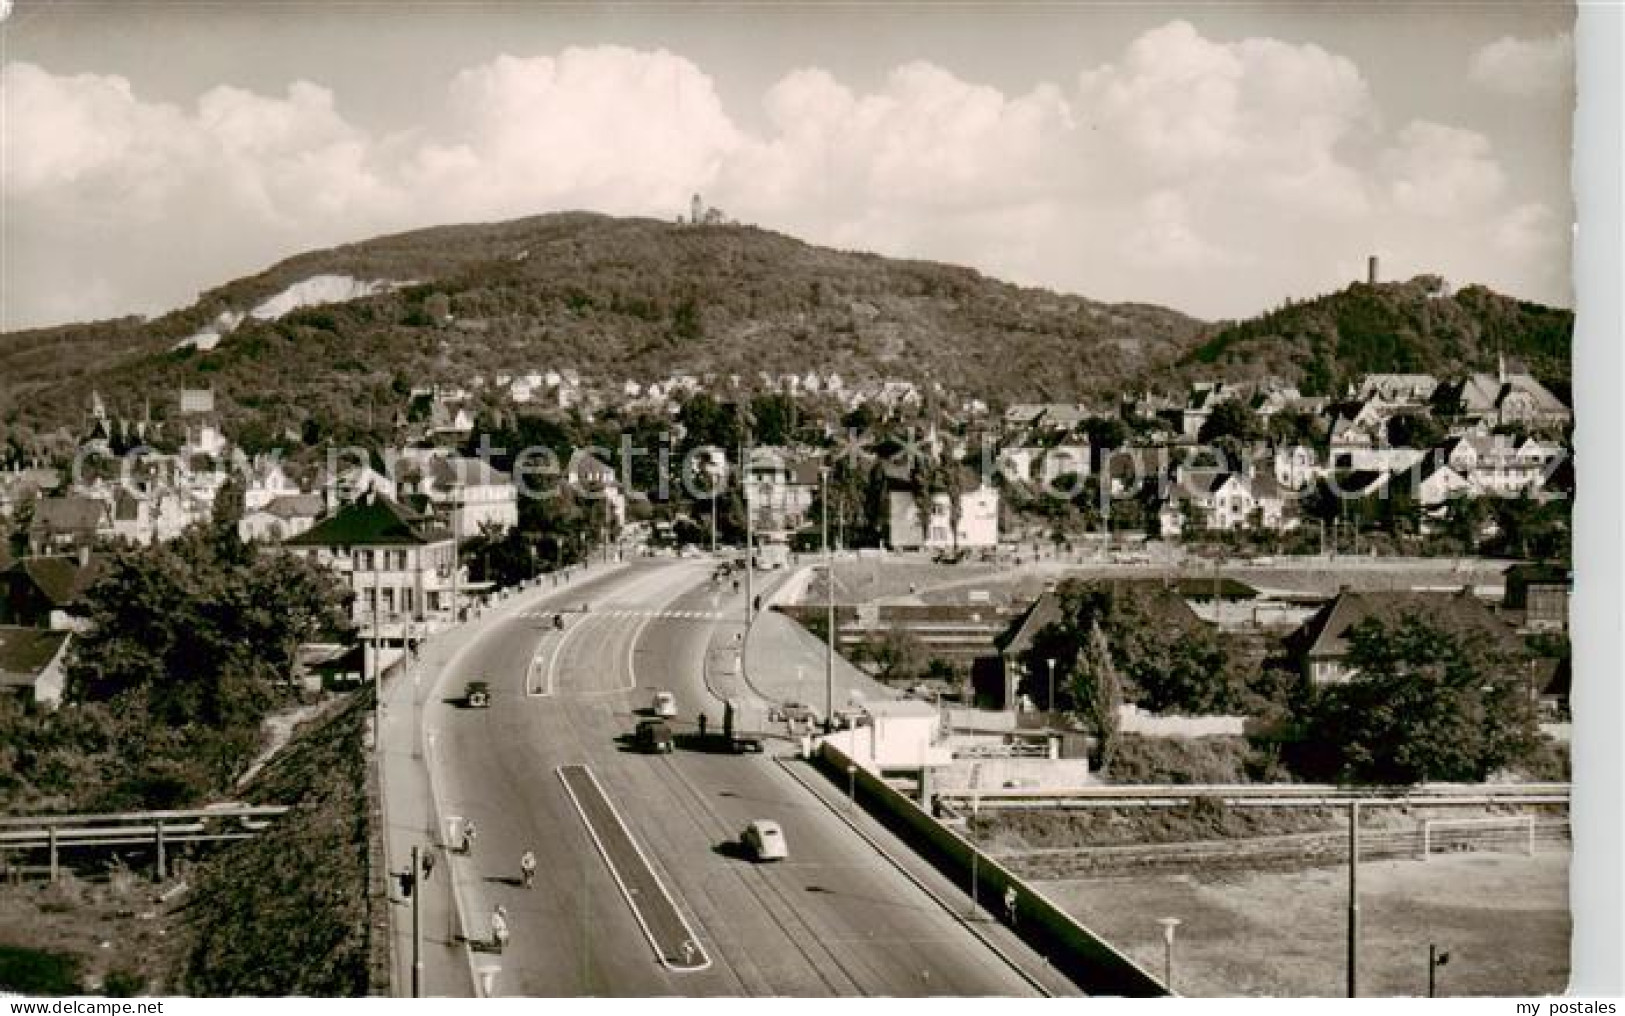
[[1321, 646], [402, 569], [285, 516], [468, 495], [40, 592], [68, 524], [596, 480], [1507, 398], [1014, 643], [780, 486], [1230, 499], [1399, 389], [1538, 594], [152, 515], [32, 663]]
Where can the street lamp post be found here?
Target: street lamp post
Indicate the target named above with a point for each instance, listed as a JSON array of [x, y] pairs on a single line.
[[417, 923], [1354, 899], [1051, 700], [1168, 926], [829, 604], [970, 835]]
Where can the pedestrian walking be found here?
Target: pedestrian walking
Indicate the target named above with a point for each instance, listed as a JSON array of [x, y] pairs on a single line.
[[428, 863], [703, 721], [1010, 905], [527, 868], [469, 832], [499, 928]]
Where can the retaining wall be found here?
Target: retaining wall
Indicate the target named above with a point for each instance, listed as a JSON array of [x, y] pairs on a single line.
[[1087, 959]]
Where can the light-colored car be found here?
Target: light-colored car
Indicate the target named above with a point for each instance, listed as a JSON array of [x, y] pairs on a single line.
[[665, 704], [764, 840]]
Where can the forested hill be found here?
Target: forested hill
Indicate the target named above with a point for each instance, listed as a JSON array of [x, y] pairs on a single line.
[[611, 298], [1402, 327]]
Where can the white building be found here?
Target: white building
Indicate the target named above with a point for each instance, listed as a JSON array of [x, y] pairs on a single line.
[[404, 573], [267, 481], [468, 495], [284, 517], [978, 520]]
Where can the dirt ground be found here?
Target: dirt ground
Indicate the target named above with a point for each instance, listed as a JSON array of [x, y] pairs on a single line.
[[1503, 918], [116, 930]]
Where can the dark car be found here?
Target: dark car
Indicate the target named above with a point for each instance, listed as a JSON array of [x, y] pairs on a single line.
[[477, 694], [653, 736]]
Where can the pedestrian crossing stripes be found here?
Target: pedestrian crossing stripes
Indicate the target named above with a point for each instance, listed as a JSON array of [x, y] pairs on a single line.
[[627, 613]]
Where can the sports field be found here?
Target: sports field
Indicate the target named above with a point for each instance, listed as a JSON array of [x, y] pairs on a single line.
[[1502, 917]]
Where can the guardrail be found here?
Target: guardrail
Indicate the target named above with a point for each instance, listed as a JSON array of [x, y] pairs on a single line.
[[1089, 960], [1261, 796], [159, 829]]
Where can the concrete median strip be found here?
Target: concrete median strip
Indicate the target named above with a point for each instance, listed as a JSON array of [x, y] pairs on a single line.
[[663, 923]]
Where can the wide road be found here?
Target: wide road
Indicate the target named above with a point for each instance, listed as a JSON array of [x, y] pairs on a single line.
[[834, 919]]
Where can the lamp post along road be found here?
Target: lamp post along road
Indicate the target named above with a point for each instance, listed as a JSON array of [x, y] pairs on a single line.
[[1168, 926], [1354, 900], [417, 923], [829, 604], [1051, 701]]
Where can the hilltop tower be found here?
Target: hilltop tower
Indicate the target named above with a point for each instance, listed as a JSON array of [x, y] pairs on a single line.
[[1371, 270], [696, 210]]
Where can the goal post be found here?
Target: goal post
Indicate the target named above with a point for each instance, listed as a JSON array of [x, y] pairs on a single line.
[[1478, 833]]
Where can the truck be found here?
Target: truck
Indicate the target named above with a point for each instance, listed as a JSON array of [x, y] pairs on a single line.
[[653, 736], [772, 554], [743, 727]]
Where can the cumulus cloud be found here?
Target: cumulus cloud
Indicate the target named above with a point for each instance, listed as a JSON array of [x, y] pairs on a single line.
[[1214, 175], [1525, 67], [1441, 171], [605, 127]]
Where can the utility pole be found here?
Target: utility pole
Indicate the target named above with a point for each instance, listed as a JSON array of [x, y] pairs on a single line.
[[1354, 898], [377, 650], [750, 533], [1436, 959], [829, 604]]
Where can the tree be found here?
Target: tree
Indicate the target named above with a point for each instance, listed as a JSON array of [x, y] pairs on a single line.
[[897, 655], [1431, 699], [1413, 429], [1163, 657], [1234, 419], [775, 417], [187, 646], [1101, 693]]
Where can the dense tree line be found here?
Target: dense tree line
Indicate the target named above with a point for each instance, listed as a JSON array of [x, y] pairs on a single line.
[[187, 646]]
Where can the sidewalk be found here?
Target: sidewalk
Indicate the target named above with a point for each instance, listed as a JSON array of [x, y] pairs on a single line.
[[411, 815]]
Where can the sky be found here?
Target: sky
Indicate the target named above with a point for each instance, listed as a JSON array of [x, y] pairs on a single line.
[[1215, 158]]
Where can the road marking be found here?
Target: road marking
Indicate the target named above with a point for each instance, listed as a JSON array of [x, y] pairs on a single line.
[[553, 661], [681, 950], [542, 646]]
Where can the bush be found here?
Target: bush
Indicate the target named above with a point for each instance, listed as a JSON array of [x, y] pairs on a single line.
[[1216, 759], [37, 972]]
